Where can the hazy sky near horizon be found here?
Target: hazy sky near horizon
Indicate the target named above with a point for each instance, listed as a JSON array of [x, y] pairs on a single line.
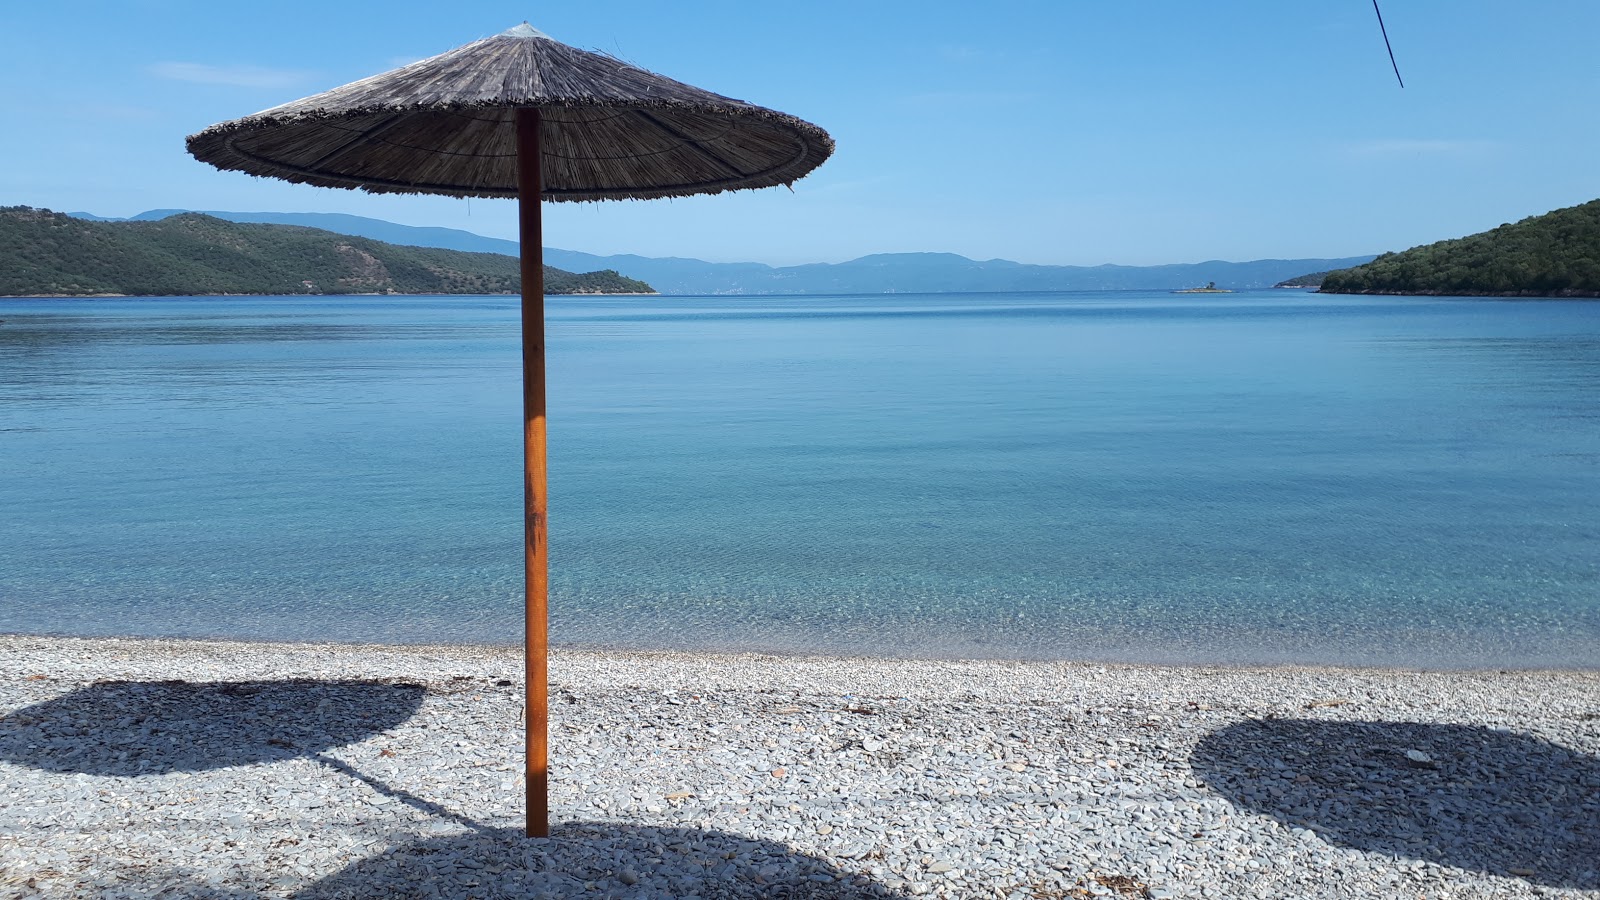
[[1139, 132]]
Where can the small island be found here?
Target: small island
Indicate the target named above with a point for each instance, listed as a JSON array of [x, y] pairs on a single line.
[[1210, 288], [50, 254]]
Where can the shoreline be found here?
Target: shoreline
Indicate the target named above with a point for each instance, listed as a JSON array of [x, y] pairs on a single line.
[[954, 655], [356, 294], [844, 657], [229, 769]]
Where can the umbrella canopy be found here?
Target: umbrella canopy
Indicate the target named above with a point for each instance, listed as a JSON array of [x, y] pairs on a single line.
[[522, 115], [446, 125]]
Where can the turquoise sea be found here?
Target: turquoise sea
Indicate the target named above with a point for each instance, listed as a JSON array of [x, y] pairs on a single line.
[[1255, 477]]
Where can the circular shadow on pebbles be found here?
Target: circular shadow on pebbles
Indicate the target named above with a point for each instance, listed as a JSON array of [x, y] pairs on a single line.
[[597, 859], [127, 728], [1497, 802]]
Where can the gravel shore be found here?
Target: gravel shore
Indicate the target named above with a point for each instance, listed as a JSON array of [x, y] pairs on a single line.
[[135, 768]]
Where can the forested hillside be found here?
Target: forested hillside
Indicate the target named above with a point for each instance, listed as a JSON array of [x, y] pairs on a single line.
[[43, 253], [1303, 281], [1553, 255]]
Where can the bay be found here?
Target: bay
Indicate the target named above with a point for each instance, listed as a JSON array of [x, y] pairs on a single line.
[[1249, 478]]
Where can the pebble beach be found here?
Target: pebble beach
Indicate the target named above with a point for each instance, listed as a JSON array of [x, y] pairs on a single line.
[[144, 768]]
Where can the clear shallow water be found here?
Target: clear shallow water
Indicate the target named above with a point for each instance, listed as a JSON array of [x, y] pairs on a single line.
[[1253, 478]]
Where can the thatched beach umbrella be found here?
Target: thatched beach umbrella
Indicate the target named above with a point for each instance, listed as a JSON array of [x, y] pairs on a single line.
[[522, 115]]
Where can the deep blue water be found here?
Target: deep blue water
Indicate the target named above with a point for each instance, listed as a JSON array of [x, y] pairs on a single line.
[[1257, 477]]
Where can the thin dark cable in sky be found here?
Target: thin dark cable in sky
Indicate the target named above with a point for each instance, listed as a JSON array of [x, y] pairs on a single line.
[[1386, 44]]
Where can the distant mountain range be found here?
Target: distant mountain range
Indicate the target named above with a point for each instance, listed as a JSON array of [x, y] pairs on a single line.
[[880, 273]]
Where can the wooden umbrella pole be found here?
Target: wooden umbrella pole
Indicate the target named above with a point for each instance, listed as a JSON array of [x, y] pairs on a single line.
[[535, 478]]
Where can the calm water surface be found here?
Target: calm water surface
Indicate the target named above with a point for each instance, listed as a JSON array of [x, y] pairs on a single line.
[[1259, 477]]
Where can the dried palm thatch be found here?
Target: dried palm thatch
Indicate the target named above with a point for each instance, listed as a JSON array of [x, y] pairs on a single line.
[[446, 125]]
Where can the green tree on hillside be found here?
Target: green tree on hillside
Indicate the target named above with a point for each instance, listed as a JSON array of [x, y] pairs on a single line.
[[1552, 255], [48, 253]]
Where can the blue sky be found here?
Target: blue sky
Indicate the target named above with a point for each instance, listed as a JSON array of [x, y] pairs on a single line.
[[1135, 132]]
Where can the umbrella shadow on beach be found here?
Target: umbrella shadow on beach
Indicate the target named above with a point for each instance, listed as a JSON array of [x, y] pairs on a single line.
[[1464, 796], [589, 859], [617, 860], [131, 728]]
